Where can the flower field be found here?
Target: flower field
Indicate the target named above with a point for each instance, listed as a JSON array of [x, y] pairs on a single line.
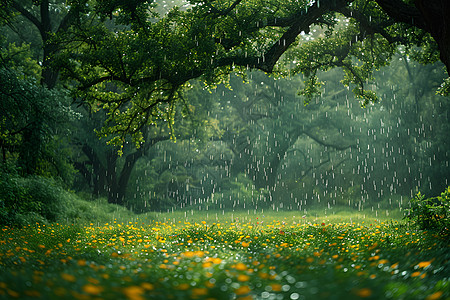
[[243, 259]]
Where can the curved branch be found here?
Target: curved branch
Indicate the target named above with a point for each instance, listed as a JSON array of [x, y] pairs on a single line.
[[402, 12], [337, 147], [28, 16]]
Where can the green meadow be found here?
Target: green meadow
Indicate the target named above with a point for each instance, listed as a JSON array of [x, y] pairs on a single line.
[[225, 255]]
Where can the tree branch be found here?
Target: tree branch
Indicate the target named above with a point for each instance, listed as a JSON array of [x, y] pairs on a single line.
[[28, 16], [402, 12]]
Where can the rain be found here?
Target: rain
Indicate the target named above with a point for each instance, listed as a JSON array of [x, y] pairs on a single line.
[[275, 153], [231, 149]]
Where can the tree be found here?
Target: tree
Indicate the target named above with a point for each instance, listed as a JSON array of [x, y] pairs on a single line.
[[29, 119], [106, 170], [49, 18], [150, 59]]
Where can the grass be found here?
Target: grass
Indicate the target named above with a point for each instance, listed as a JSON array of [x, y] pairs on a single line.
[[240, 255]]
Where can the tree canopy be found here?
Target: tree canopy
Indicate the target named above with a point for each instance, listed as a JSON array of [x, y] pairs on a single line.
[[135, 58]]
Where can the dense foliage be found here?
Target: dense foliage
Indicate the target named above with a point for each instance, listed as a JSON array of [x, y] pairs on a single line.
[[137, 64], [431, 213]]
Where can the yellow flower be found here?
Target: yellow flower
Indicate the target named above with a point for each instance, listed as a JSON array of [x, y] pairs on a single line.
[[92, 289], [199, 292], [243, 278], [240, 267], [364, 293], [242, 290], [182, 286], [81, 262], [434, 296], [424, 264], [276, 287], [415, 274], [68, 277], [147, 286], [134, 292]]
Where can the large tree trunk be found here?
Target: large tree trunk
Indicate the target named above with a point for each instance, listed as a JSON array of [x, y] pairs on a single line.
[[429, 15], [436, 14], [118, 183]]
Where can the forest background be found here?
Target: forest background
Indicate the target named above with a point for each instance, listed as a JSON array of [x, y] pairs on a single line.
[[220, 105]]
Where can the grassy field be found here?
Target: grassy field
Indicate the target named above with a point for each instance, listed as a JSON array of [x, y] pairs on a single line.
[[240, 255]]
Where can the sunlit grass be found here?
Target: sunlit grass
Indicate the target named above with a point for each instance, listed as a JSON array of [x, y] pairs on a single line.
[[334, 215], [231, 256]]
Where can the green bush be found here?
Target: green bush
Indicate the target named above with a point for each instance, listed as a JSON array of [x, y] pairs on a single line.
[[29, 199], [81, 211], [431, 213], [239, 193]]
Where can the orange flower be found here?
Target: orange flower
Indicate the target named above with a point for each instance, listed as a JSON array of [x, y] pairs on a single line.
[[276, 287], [147, 286], [134, 292], [199, 292], [183, 286], [92, 289], [68, 277], [240, 267], [434, 296], [415, 274], [424, 264], [243, 278], [242, 290], [81, 262], [364, 293]]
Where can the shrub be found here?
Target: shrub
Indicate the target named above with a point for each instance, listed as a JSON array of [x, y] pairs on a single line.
[[431, 213], [29, 199]]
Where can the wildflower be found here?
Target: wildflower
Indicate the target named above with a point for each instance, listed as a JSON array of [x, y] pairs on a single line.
[[242, 290], [394, 266], [81, 262], [240, 267], [243, 278], [68, 277], [182, 287], [364, 293], [199, 292], [415, 274], [134, 292], [147, 286], [424, 264], [434, 296], [92, 289], [276, 287]]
